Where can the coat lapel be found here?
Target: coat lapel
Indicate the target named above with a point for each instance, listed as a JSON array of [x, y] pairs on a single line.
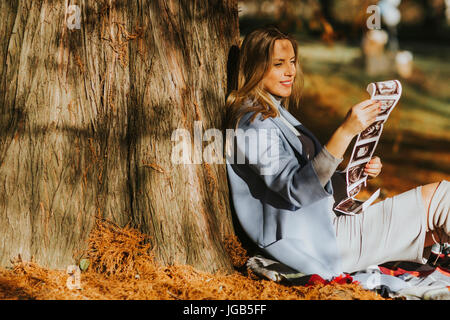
[[290, 135], [289, 117], [287, 132], [318, 146]]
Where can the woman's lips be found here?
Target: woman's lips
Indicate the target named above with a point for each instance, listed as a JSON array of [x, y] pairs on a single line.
[[286, 83]]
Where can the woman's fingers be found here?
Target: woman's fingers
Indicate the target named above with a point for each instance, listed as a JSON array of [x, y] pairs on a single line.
[[361, 116], [372, 170], [373, 167], [370, 114], [373, 110], [365, 104], [375, 160]]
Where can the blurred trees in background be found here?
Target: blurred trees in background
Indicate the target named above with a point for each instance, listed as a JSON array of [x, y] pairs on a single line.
[[421, 20], [415, 50]]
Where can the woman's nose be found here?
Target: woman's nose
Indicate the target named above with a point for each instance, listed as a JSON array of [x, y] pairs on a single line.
[[290, 70]]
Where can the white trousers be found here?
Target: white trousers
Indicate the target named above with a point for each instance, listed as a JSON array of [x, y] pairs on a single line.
[[391, 230]]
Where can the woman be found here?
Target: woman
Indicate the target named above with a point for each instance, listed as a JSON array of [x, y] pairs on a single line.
[[284, 198]]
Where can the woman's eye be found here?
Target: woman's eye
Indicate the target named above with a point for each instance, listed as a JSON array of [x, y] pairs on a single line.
[[279, 64]]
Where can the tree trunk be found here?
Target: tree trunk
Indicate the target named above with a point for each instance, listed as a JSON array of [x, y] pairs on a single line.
[[87, 115]]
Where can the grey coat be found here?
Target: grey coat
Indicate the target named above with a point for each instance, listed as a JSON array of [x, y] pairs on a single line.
[[284, 210]]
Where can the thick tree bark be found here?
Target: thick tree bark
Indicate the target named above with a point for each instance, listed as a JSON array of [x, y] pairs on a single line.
[[86, 121]]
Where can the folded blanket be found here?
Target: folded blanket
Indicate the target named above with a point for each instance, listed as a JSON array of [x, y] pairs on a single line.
[[405, 280], [278, 272], [411, 281]]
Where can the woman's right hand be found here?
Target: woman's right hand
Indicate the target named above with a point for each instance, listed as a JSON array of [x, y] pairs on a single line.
[[361, 116]]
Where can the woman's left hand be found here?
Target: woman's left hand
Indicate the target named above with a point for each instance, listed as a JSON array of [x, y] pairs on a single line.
[[373, 167]]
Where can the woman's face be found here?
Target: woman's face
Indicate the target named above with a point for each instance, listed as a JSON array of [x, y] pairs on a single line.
[[280, 77]]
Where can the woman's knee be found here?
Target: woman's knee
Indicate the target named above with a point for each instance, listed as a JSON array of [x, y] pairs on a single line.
[[428, 191]]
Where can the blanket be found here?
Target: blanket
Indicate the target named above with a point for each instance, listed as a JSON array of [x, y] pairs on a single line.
[[398, 280]]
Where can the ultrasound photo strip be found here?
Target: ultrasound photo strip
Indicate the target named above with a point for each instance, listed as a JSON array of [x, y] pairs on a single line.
[[361, 155], [388, 93], [385, 88], [372, 131], [355, 188], [364, 150], [350, 206], [386, 107], [355, 173]]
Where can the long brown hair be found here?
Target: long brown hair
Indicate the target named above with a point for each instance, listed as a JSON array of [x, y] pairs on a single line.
[[255, 60]]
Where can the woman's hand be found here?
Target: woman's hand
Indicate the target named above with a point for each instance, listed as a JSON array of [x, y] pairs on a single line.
[[373, 167], [358, 118], [361, 116]]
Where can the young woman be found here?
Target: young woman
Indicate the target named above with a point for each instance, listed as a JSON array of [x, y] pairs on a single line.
[[288, 210]]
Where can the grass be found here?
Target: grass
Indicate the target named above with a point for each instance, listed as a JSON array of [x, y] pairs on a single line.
[[122, 267]]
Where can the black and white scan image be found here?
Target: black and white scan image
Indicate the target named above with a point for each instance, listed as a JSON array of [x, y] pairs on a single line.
[[386, 107], [363, 150], [355, 190], [387, 88], [355, 173], [372, 131], [349, 206]]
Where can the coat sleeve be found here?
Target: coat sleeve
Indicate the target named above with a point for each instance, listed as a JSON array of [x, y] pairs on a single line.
[[266, 154], [325, 164]]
